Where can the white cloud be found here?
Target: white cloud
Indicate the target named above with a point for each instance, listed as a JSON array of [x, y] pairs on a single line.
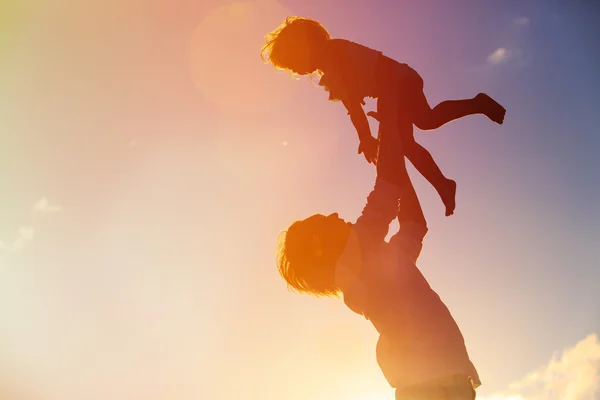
[[498, 56], [513, 51], [521, 21], [25, 235], [575, 375], [43, 206]]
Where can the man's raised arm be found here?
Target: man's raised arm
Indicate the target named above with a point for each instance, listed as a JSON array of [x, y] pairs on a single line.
[[413, 226], [410, 210], [382, 202]]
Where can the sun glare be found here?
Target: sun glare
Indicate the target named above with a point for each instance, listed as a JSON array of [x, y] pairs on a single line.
[[225, 56]]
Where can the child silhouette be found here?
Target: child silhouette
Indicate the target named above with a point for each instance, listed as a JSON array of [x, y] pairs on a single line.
[[350, 72]]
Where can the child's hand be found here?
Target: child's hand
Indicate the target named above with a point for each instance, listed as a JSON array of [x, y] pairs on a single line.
[[369, 147]]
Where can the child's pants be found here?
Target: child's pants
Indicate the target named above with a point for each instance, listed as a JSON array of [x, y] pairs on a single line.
[[456, 387]]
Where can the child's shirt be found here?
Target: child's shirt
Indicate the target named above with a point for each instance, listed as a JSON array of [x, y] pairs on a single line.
[[350, 71], [419, 339]]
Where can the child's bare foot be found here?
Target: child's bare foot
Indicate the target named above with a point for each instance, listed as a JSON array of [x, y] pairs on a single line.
[[491, 108], [449, 196]]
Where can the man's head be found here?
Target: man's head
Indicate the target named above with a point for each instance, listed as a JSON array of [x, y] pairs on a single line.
[[308, 252], [294, 44]]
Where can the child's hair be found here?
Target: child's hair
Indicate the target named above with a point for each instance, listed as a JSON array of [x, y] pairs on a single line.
[[303, 265], [290, 44]]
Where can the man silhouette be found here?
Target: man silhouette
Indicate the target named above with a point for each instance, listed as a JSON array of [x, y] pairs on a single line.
[[421, 350]]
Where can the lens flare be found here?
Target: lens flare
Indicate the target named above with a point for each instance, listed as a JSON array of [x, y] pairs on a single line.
[[225, 57]]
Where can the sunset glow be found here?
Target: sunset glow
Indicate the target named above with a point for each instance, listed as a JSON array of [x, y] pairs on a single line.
[[149, 160]]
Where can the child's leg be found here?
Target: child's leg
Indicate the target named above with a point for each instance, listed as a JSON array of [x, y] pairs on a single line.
[[426, 165], [426, 118], [394, 101]]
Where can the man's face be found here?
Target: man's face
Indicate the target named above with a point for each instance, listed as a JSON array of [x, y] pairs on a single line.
[[328, 231], [322, 223]]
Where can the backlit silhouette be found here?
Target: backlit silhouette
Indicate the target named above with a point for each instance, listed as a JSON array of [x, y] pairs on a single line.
[[421, 350], [350, 72]]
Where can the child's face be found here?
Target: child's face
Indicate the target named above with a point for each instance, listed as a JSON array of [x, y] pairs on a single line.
[[298, 54], [303, 69], [302, 62]]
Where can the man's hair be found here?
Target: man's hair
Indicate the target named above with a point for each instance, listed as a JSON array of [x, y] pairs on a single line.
[[292, 41], [303, 265]]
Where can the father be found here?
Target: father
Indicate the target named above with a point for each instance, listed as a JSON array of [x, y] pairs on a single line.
[[421, 350]]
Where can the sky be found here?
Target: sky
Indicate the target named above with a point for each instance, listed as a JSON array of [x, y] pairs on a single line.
[[149, 160]]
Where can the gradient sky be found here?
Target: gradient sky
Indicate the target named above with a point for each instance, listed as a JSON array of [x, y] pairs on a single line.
[[149, 159]]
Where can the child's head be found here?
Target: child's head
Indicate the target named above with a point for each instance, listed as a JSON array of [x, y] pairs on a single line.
[[293, 45], [308, 252]]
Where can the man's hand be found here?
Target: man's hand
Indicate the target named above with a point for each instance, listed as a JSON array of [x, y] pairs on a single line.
[[369, 147]]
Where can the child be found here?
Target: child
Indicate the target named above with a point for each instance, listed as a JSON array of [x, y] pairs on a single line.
[[350, 72], [421, 350]]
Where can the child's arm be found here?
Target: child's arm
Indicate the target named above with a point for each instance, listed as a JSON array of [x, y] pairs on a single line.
[[368, 144], [340, 82]]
